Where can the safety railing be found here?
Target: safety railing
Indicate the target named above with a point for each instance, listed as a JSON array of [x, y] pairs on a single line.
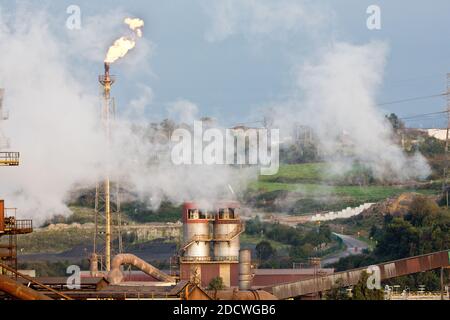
[[34, 282], [231, 235], [210, 259], [9, 158], [14, 226]]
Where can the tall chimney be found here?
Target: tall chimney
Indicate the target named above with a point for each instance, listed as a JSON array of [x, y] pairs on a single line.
[[106, 69], [245, 269]]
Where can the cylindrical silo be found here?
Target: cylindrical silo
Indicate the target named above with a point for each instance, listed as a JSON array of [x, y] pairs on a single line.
[[196, 234], [227, 228], [245, 269]]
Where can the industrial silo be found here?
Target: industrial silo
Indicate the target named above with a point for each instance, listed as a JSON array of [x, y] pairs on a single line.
[[196, 234], [227, 228]]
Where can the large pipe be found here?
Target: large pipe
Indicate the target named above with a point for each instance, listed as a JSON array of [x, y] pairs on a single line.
[[242, 295], [245, 269], [116, 276], [20, 291], [4, 253]]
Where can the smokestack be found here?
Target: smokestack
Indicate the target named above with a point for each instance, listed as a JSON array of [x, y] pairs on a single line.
[[245, 269], [94, 265], [106, 70]]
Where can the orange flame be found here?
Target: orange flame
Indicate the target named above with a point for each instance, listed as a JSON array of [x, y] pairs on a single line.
[[124, 44]]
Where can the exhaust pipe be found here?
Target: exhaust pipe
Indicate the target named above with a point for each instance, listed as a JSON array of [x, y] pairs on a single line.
[[245, 270], [115, 276]]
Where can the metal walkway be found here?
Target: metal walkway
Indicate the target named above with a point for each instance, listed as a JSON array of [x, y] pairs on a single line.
[[388, 270]]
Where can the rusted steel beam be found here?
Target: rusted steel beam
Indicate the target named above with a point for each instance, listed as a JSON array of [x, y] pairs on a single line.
[[32, 280], [20, 291], [388, 270]]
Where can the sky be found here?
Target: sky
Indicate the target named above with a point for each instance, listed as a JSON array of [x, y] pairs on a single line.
[[305, 62], [230, 74]]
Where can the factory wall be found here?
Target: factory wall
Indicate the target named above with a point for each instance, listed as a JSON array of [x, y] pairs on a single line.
[[208, 271]]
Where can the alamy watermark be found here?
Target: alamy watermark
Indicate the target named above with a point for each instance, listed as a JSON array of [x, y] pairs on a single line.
[[73, 22], [74, 280], [374, 279], [374, 20], [214, 146]]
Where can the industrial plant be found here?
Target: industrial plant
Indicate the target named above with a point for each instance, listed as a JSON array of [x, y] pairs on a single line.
[[357, 208]]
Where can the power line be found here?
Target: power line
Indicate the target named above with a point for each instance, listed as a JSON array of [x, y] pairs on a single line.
[[425, 115], [412, 99]]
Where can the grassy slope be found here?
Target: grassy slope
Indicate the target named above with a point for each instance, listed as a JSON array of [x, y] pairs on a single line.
[[363, 193], [295, 173], [313, 186]]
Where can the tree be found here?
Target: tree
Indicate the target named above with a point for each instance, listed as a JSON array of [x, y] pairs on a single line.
[[264, 250], [422, 211], [301, 252], [337, 292], [215, 285], [400, 239], [395, 121], [362, 292], [167, 127]]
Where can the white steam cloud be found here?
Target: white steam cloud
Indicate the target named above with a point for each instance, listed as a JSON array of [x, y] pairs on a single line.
[[253, 18], [55, 111], [55, 125], [334, 94], [338, 103]]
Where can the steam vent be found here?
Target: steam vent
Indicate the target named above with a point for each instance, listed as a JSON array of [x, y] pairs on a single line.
[[211, 244]]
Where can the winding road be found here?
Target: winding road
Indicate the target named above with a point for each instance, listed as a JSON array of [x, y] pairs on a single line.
[[353, 247]]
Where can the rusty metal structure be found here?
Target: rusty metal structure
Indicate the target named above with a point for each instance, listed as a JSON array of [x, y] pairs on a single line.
[[115, 276], [211, 243], [11, 227], [242, 295], [19, 291], [21, 288], [349, 278]]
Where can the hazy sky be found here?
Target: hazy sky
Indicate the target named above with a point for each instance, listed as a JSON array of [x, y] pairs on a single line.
[[230, 72]]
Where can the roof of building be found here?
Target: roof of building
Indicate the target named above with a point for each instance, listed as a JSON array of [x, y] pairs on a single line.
[[309, 271]]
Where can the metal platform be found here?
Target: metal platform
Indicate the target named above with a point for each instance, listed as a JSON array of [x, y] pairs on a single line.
[[9, 158]]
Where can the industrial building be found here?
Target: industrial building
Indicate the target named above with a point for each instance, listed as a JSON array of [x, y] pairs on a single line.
[[210, 249], [211, 243]]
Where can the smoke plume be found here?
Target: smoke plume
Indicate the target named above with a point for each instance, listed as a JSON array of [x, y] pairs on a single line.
[[336, 98], [55, 124], [334, 88]]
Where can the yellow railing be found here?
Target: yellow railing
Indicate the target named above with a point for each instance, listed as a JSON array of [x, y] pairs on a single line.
[[9, 158]]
